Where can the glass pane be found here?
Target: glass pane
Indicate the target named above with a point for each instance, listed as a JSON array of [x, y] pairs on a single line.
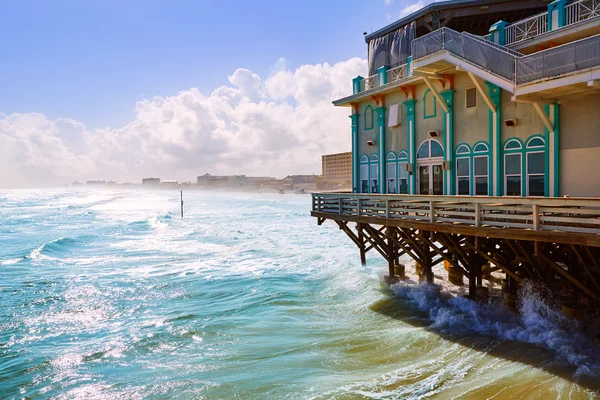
[[402, 170], [364, 186], [402, 155], [513, 185], [536, 185], [462, 167], [480, 148], [374, 186], [364, 159], [391, 186], [535, 163], [463, 186], [374, 178], [391, 170], [436, 149], [480, 165], [536, 142], [438, 180], [513, 144], [374, 158], [423, 151], [403, 186], [391, 157], [364, 171], [424, 180], [481, 186], [513, 164], [462, 149]]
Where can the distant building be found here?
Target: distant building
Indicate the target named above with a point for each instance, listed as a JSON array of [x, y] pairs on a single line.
[[96, 183], [151, 181], [337, 168], [231, 181]]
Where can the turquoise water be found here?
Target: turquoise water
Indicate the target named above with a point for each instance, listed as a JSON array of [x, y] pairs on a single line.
[[111, 295]]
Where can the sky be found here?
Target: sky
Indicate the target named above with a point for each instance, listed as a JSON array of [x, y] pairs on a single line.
[[121, 90]]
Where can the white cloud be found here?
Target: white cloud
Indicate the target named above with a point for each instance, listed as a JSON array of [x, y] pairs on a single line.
[[276, 127], [411, 8], [388, 2]]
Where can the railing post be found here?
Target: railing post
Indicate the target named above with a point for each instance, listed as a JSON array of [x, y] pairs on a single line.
[[556, 14], [477, 215], [498, 33], [358, 206], [339, 205], [443, 38], [432, 211], [356, 84], [387, 208], [536, 217], [319, 203]]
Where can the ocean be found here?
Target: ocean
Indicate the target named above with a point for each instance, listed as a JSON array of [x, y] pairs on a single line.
[[112, 295]]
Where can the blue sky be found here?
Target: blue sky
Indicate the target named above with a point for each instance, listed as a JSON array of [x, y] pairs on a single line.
[[92, 60]]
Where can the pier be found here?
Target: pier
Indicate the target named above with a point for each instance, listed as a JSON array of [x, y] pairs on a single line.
[[555, 241]]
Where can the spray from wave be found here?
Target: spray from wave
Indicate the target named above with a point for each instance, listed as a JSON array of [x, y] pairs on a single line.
[[537, 322]]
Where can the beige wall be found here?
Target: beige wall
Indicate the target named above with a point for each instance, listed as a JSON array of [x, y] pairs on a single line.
[[395, 137], [470, 125], [365, 135], [580, 123], [578, 172], [425, 125], [529, 122]]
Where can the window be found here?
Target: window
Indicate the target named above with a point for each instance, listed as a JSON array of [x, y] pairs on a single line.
[[391, 173], [364, 174], [368, 118], [402, 173], [536, 174], [480, 175], [512, 174], [374, 171], [470, 98], [463, 180], [430, 149], [429, 104]]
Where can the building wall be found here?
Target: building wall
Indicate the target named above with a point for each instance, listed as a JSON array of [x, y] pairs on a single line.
[[365, 135], [395, 137], [337, 167], [529, 122], [470, 125]]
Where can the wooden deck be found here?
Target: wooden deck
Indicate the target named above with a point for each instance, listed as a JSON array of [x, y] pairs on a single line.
[[546, 239]]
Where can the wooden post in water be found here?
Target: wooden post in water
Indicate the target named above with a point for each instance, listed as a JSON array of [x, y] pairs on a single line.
[[182, 204], [428, 261], [361, 238]]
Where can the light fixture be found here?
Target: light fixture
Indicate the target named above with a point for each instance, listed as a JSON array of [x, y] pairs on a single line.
[[370, 143], [510, 122], [433, 134]]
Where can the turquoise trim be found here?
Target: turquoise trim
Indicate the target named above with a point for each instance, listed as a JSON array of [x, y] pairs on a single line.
[[557, 5], [369, 109], [425, 115], [381, 130], [382, 75], [471, 155], [546, 154], [356, 84], [556, 155], [495, 146], [497, 32], [355, 160], [411, 138], [448, 97], [487, 148], [408, 65]]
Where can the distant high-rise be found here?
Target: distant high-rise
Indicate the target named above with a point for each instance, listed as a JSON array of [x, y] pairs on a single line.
[[151, 181]]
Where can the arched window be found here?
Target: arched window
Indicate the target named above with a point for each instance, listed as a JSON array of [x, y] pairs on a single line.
[[513, 144], [429, 104], [481, 169], [402, 172], [364, 174], [513, 168], [374, 173], [463, 170], [368, 118], [391, 172], [536, 167], [430, 149]]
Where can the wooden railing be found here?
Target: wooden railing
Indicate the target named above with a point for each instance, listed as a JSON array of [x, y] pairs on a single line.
[[578, 215]]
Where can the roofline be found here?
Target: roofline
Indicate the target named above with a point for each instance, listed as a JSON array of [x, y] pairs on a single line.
[[426, 10]]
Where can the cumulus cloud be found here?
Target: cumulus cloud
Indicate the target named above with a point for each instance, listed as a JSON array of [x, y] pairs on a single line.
[[275, 127], [411, 8]]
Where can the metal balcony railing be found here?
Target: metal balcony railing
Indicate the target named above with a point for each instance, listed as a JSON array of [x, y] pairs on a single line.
[[557, 61], [581, 10], [526, 29], [398, 73], [494, 58]]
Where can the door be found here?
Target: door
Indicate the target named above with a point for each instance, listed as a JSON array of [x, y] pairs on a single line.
[[431, 179]]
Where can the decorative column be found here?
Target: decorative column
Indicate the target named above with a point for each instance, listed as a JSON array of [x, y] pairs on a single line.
[[495, 142], [355, 155], [382, 75], [356, 84], [381, 142], [450, 180], [408, 65], [497, 32], [410, 139], [552, 178], [556, 14]]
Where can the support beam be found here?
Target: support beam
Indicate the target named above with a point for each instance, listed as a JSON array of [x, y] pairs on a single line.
[[594, 84], [435, 92], [549, 125], [479, 85]]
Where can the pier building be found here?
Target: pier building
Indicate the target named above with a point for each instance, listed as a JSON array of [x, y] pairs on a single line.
[[474, 143]]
